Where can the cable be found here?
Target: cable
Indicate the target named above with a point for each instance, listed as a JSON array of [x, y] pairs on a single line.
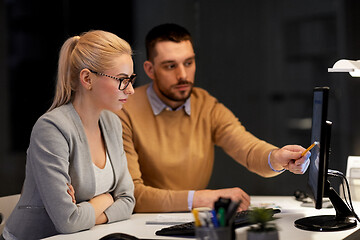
[[336, 173]]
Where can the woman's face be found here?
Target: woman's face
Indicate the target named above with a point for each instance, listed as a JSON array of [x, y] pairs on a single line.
[[105, 90]]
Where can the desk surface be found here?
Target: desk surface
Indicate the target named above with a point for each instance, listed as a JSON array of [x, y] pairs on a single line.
[[291, 210]]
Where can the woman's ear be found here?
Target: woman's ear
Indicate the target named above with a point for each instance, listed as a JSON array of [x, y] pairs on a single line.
[[149, 69], [85, 79]]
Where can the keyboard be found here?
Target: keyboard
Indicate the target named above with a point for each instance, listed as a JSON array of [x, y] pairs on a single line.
[[188, 229]]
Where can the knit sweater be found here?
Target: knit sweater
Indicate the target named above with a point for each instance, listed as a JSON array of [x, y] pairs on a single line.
[[172, 153]]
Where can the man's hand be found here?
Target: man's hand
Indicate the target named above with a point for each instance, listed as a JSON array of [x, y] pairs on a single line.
[[206, 198], [289, 157]]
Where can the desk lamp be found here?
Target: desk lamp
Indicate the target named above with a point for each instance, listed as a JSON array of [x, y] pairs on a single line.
[[344, 65]]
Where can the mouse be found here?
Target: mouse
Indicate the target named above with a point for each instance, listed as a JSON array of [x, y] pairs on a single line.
[[119, 236]]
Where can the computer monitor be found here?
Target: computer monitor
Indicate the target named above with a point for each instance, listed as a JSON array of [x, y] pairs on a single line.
[[318, 184], [320, 133]]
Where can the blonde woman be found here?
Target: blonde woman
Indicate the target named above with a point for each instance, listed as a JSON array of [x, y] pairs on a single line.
[[76, 168]]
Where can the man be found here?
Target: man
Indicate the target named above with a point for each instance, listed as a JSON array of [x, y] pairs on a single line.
[[170, 129]]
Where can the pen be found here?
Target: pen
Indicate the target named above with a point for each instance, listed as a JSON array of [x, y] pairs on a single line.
[[221, 217], [214, 218], [196, 218], [309, 148]]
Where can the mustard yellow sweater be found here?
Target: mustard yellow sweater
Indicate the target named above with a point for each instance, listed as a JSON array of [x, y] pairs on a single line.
[[172, 153]]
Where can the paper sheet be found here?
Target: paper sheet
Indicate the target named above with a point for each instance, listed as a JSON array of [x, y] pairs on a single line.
[[165, 219]]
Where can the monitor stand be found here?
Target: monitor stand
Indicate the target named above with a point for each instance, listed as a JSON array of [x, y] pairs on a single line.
[[327, 223]]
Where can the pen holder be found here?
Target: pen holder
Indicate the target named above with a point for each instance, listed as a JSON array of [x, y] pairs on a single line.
[[211, 233]]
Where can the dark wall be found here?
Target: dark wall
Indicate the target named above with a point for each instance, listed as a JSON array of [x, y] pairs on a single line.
[[32, 33], [260, 58], [35, 36]]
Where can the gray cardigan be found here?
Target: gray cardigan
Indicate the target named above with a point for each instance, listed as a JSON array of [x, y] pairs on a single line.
[[58, 154]]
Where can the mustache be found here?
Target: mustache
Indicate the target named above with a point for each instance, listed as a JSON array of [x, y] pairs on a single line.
[[183, 82]]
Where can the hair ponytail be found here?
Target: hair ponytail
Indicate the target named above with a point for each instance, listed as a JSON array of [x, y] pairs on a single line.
[[64, 85]]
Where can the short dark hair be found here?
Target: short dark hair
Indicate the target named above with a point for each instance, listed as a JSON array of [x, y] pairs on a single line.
[[165, 32]]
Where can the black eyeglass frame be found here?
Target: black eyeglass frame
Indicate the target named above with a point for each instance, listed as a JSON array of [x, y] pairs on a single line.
[[121, 79]]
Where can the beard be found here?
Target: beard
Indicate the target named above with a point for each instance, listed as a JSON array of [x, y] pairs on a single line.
[[177, 96]]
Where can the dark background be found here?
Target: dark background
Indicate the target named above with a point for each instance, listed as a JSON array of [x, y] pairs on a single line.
[[262, 59]]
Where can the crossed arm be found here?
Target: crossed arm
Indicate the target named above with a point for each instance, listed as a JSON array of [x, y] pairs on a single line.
[[100, 203]]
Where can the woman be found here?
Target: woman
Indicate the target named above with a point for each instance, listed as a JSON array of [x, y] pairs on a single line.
[[76, 169]]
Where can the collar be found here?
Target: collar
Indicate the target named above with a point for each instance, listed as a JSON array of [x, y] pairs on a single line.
[[158, 106]]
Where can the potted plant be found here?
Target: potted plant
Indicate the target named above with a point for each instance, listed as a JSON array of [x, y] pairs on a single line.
[[263, 228]]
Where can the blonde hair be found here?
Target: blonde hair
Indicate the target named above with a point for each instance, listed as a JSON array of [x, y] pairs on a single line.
[[94, 50]]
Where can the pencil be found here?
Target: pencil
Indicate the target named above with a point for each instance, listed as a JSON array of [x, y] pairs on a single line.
[[196, 218], [309, 148]]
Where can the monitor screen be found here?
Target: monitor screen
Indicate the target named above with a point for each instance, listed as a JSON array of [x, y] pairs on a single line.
[[317, 168]]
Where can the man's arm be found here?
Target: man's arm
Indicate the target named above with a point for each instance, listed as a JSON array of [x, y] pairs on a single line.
[[256, 155], [279, 160], [149, 199], [240, 144]]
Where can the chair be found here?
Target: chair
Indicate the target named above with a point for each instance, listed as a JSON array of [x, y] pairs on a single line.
[[7, 204]]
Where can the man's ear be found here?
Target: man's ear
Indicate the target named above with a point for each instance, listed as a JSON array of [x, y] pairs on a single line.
[[149, 69], [85, 79]]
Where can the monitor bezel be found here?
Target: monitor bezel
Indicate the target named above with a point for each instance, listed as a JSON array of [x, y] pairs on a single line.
[[318, 194]]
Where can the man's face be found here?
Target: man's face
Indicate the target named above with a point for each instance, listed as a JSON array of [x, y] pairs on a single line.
[[173, 71]]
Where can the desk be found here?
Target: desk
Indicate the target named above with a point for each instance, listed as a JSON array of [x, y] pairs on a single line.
[[290, 211]]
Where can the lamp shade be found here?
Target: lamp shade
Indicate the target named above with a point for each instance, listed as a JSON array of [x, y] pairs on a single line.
[[344, 65]]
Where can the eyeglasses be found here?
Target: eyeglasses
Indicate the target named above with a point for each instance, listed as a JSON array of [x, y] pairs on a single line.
[[124, 81]]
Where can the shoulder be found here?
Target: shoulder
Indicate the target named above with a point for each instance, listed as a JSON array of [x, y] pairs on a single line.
[[61, 122], [137, 104], [202, 95], [140, 95], [53, 129], [203, 103], [60, 117], [202, 99]]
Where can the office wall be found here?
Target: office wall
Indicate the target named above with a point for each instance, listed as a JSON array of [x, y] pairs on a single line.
[[260, 58]]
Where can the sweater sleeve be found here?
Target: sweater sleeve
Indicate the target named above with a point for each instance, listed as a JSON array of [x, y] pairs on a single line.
[[241, 145], [123, 193], [149, 199], [48, 160]]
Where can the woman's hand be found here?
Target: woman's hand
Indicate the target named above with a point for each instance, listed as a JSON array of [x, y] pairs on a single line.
[[100, 203], [71, 192]]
